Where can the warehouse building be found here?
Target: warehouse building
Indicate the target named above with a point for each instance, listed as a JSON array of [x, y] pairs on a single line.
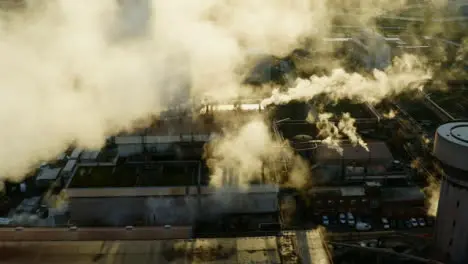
[[160, 178], [395, 202]]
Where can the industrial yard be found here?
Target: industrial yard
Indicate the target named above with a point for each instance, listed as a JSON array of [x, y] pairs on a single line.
[[269, 172]]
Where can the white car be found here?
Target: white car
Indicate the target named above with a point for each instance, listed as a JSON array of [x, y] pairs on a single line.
[[342, 218], [325, 220], [361, 226], [385, 223], [351, 220], [421, 222], [414, 222]]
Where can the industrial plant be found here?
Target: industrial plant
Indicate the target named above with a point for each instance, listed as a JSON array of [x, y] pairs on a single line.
[[334, 152]]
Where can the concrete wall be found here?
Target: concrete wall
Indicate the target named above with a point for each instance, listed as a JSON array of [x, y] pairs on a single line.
[[451, 234]]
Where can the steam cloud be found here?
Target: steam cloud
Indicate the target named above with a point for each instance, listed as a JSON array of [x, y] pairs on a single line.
[[250, 154], [318, 251], [79, 71], [433, 193], [391, 114], [334, 133], [407, 73]]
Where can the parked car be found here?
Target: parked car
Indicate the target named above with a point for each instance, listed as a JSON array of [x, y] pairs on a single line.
[[414, 222], [325, 220], [421, 222], [342, 217], [408, 224], [361, 226], [351, 220], [385, 223], [369, 243]]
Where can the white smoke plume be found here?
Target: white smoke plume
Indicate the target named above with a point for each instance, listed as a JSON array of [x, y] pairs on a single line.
[[433, 193], [390, 114], [334, 133], [347, 127], [251, 153], [406, 73], [78, 71]]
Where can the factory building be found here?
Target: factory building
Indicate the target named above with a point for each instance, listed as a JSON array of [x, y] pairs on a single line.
[[451, 232], [158, 193], [368, 199], [160, 178]]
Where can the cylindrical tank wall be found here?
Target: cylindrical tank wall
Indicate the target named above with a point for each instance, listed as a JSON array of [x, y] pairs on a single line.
[[451, 233]]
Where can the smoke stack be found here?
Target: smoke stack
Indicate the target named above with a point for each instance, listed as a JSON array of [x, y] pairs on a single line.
[[451, 148]]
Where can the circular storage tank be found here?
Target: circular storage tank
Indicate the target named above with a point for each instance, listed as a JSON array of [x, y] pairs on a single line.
[[451, 149]]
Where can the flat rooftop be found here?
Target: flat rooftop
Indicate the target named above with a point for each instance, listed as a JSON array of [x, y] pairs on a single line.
[[409, 193], [377, 151], [173, 126], [155, 174], [454, 100], [419, 111]]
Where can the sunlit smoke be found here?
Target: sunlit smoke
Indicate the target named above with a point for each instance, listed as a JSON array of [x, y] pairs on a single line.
[[75, 72], [318, 252], [251, 154], [406, 73], [347, 127], [333, 133], [433, 193], [390, 114], [328, 130], [78, 71]]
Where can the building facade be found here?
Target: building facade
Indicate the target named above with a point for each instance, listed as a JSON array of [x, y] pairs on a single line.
[[451, 233]]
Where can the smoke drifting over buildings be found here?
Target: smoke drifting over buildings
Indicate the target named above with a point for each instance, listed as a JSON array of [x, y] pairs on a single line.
[[407, 73], [79, 71], [334, 133], [251, 154]]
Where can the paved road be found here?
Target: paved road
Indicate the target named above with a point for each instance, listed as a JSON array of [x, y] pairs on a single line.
[[229, 251], [92, 234]]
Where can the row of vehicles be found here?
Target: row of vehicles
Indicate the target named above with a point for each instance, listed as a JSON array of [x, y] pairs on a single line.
[[349, 220]]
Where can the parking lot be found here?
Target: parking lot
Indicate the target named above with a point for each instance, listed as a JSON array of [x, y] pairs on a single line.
[[341, 222]]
